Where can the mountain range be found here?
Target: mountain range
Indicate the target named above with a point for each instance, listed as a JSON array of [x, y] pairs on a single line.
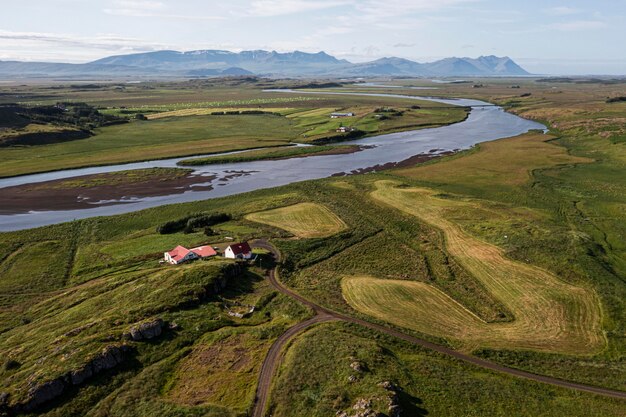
[[212, 63]]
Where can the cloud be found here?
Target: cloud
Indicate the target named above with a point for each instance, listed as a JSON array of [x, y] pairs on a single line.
[[404, 45], [267, 8], [153, 9], [562, 11], [56, 46], [140, 4], [578, 25]]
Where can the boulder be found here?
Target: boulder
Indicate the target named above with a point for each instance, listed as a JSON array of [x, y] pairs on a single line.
[[146, 330]]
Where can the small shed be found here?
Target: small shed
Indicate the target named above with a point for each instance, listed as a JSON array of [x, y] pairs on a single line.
[[238, 251]]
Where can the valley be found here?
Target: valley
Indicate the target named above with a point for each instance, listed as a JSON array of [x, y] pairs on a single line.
[[489, 281]]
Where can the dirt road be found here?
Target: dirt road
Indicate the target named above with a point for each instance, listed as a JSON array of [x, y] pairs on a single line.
[[272, 360]]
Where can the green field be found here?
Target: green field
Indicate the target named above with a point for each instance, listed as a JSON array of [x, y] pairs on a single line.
[[180, 122], [513, 251], [270, 154]]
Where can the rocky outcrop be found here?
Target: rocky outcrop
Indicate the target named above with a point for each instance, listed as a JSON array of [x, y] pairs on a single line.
[[41, 393], [393, 399], [44, 392], [146, 330]]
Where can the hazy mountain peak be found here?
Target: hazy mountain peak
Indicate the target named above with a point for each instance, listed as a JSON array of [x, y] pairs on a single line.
[[211, 62]]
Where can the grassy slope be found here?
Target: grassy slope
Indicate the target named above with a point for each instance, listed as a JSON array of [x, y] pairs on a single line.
[[579, 234], [314, 382]]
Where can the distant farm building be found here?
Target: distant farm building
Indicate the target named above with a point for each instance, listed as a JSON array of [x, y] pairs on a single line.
[[338, 115], [345, 129], [181, 254], [238, 251]]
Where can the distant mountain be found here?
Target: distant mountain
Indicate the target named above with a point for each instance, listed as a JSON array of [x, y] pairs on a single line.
[[484, 65], [212, 63]]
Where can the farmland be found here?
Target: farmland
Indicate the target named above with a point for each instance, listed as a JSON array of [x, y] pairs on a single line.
[[511, 251], [306, 220], [187, 119]]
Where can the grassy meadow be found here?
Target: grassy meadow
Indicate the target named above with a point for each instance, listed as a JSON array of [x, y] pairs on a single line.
[[513, 250], [181, 120]]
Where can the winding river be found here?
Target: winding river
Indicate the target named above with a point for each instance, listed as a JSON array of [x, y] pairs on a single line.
[[485, 122]]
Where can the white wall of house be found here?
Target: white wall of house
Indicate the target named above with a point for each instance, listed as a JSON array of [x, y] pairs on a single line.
[[228, 253], [187, 257]]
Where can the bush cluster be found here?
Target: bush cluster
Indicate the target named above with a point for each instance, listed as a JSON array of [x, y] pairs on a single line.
[[189, 223]]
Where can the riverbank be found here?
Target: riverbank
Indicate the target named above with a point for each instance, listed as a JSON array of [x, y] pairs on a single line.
[[90, 191]]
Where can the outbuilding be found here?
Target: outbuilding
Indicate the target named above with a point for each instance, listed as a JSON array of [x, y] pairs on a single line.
[[238, 251]]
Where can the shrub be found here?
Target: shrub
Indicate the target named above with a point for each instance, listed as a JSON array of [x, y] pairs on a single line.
[[190, 223]]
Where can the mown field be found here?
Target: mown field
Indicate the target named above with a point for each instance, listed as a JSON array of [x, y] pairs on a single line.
[[520, 240], [306, 220], [548, 313]]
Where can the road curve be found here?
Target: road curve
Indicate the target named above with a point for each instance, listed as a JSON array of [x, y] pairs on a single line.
[[272, 359]]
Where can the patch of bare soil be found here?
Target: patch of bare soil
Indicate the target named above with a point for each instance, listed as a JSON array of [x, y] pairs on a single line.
[[98, 190]]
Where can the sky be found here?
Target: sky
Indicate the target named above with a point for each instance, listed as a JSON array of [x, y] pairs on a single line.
[[544, 36]]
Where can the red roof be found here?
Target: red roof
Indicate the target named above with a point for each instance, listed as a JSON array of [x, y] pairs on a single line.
[[240, 248], [204, 251], [178, 253]]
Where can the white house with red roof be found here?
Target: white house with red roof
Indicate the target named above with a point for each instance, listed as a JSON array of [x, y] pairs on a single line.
[[181, 254], [238, 251]]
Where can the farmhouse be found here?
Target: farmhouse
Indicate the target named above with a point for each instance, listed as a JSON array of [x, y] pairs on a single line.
[[181, 254], [238, 251], [338, 115], [345, 129]]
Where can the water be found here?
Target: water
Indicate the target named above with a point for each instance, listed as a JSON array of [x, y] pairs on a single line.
[[484, 123]]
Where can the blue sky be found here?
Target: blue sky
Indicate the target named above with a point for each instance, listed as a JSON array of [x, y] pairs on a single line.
[[557, 37]]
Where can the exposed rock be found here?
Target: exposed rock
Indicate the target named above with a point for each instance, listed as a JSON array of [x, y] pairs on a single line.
[[352, 378], [146, 330], [394, 410], [388, 385], [79, 376], [362, 404], [42, 393], [109, 358], [357, 366], [4, 399]]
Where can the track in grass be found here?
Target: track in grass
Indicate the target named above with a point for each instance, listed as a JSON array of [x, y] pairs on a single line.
[[306, 220], [550, 314]]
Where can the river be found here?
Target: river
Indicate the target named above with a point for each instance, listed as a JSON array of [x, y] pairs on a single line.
[[484, 123]]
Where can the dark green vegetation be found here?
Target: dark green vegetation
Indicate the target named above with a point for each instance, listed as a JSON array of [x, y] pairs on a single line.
[[269, 154], [192, 118], [71, 290], [189, 223], [27, 125]]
